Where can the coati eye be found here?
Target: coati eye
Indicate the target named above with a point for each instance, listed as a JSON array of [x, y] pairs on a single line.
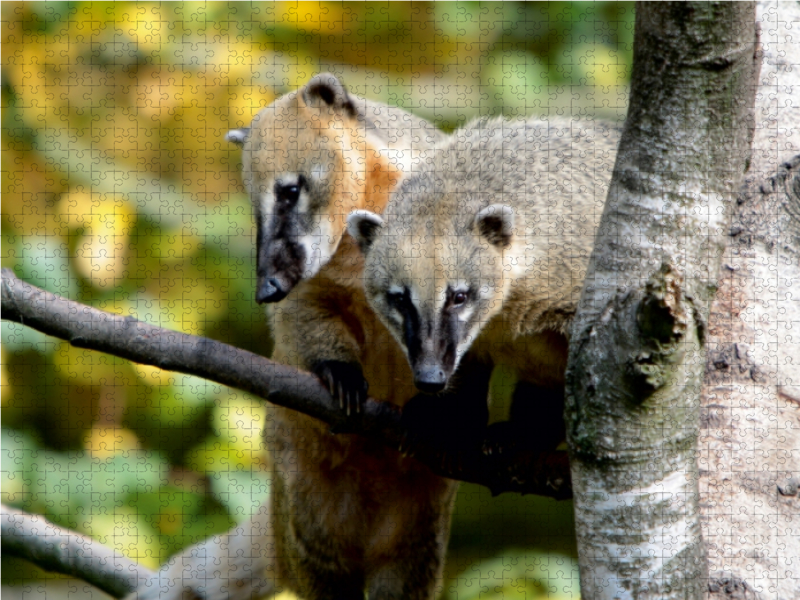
[[395, 299], [459, 298], [287, 195]]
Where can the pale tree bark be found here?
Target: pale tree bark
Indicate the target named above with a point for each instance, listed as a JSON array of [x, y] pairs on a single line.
[[749, 451], [637, 360]]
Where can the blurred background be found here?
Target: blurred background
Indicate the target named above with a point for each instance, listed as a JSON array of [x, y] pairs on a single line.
[[119, 191]]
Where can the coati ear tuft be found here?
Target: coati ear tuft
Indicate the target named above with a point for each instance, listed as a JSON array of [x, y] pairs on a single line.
[[496, 224], [237, 136], [363, 226], [326, 90]]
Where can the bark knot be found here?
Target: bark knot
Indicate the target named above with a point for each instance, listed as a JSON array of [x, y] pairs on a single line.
[[661, 315], [662, 321], [729, 586]]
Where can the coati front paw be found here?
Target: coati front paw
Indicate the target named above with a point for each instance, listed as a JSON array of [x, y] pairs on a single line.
[[500, 438], [345, 382], [441, 425]]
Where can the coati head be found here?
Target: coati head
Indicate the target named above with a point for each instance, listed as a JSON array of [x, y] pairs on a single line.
[[304, 166], [434, 280]]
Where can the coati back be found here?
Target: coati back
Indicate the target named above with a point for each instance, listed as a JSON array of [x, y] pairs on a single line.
[[345, 515], [480, 259]]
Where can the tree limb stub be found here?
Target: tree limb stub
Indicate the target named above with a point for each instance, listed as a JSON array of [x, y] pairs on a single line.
[[59, 550], [542, 473], [655, 331]]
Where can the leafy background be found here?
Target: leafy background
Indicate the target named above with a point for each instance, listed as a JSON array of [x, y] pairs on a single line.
[[119, 191]]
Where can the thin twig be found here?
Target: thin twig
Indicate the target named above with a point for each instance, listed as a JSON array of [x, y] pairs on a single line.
[[58, 550]]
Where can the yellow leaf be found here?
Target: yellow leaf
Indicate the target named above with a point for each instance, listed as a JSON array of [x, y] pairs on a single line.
[[104, 442], [240, 421], [153, 375], [86, 367], [127, 532]]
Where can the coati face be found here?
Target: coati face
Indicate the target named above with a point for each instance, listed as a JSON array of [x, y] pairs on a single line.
[[294, 169], [435, 287]]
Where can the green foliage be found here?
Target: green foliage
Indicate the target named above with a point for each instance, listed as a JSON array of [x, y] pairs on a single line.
[[518, 573], [119, 191]]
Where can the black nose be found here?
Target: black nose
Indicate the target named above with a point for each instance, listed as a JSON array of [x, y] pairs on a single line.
[[429, 379], [269, 290]]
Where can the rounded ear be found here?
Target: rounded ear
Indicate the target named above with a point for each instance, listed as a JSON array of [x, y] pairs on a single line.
[[326, 90], [237, 136], [496, 224], [363, 226]]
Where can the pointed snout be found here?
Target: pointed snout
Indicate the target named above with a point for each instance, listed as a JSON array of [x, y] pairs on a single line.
[[279, 267], [269, 289], [429, 378]]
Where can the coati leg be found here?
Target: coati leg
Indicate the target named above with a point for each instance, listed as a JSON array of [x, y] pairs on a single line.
[[416, 581], [536, 421], [333, 586], [321, 572], [418, 576]]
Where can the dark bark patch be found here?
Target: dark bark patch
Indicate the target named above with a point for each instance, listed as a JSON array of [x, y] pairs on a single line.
[[729, 587], [789, 487], [661, 315]]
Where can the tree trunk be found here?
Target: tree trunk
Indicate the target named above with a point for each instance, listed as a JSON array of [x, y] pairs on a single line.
[[637, 360], [750, 422]]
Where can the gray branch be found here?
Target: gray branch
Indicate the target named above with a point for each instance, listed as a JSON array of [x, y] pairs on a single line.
[[59, 550], [542, 473]]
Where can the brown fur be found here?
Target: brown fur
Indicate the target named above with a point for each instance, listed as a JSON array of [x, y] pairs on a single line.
[[361, 513], [345, 515]]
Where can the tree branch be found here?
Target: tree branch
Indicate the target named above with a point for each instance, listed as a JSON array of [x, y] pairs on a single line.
[[542, 473], [59, 550]]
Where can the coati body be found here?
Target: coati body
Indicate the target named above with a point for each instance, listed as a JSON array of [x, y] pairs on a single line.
[[345, 515], [480, 259]]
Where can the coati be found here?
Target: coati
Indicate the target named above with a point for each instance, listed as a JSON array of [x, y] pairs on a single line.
[[479, 260], [345, 515]]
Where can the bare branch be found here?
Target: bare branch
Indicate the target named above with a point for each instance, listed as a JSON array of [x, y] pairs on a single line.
[[542, 473], [59, 550]]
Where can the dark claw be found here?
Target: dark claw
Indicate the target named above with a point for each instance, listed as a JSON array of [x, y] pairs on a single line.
[[445, 464], [453, 461], [345, 383], [405, 447], [500, 437]]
